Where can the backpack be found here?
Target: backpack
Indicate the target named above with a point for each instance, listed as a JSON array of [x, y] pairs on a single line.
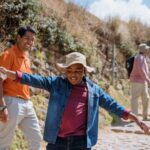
[[129, 65]]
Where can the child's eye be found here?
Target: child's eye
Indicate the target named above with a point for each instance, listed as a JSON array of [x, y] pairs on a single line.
[[75, 72]]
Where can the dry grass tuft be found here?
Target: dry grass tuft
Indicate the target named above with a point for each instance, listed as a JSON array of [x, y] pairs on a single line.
[[79, 23]]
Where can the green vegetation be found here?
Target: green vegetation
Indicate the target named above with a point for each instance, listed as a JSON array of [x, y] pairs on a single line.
[[127, 49], [15, 12], [20, 12], [110, 118], [21, 145]]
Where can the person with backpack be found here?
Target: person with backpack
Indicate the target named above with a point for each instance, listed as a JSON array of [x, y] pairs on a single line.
[[139, 79], [73, 107]]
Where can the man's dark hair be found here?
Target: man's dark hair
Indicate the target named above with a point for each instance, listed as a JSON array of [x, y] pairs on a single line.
[[22, 30]]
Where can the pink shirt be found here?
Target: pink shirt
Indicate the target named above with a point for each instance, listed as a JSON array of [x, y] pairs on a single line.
[[75, 113], [140, 70]]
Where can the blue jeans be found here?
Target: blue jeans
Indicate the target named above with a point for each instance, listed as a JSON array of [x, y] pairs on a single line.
[[69, 143]]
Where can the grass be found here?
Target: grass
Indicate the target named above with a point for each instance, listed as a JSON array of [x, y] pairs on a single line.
[[119, 96]]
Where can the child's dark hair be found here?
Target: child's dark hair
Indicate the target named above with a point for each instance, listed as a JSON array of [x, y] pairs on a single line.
[[22, 30]]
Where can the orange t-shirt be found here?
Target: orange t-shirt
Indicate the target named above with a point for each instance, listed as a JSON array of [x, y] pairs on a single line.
[[14, 59]]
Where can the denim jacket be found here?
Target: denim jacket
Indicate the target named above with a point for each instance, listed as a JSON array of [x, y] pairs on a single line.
[[60, 89]]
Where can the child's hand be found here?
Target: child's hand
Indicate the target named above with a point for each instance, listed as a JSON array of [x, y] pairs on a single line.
[[143, 126], [140, 123]]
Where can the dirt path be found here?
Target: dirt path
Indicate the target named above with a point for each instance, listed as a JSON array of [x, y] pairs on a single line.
[[110, 140], [123, 137]]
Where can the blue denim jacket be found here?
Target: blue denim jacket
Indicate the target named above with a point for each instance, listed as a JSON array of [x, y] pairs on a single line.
[[60, 89]]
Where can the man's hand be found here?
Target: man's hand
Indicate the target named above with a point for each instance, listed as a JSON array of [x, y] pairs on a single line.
[[8, 73], [4, 117], [3, 70]]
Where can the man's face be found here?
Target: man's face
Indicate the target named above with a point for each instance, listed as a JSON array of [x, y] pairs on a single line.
[[75, 73], [26, 42]]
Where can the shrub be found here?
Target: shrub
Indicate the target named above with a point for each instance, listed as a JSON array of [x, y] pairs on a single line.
[[19, 12], [14, 12], [127, 49], [51, 34], [113, 26], [65, 42], [47, 29]]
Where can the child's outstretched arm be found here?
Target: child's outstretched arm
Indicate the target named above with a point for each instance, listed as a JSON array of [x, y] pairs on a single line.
[[111, 105], [35, 80]]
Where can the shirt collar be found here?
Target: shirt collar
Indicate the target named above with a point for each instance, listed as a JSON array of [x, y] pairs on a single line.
[[19, 52]]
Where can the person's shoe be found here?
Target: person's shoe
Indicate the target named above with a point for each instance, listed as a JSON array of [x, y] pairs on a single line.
[[146, 119]]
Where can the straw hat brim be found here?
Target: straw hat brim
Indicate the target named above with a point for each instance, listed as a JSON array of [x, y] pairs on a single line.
[[62, 67]]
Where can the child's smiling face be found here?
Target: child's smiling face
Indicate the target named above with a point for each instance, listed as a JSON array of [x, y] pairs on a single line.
[[75, 73]]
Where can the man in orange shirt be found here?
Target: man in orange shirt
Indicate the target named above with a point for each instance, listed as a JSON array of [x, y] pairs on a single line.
[[15, 107]]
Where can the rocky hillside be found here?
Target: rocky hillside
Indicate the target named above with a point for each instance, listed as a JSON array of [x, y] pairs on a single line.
[[102, 36], [65, 27]]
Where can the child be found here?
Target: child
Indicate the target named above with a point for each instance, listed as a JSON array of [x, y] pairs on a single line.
[[73, 109]]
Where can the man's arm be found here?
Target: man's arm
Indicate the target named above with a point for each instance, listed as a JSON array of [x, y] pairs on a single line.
[[2, 102], [3, 110]]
